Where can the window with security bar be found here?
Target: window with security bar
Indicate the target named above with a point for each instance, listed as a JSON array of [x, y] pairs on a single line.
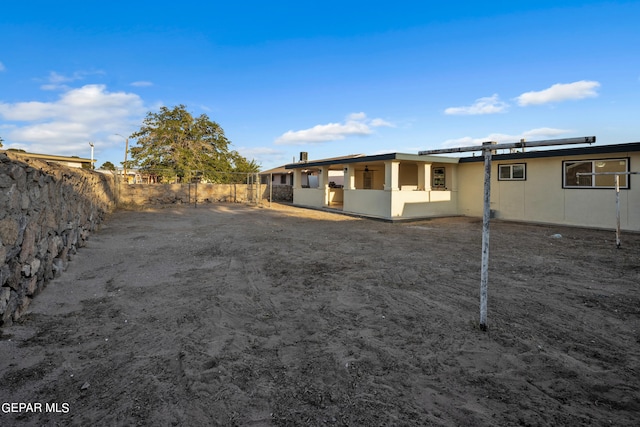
[[438, 181], [603, 170]]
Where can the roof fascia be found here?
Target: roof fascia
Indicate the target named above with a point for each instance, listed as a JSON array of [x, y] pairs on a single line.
[[602, 149], [372, 159]]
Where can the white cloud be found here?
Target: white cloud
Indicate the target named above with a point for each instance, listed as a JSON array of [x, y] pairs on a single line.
[[486, 105], [55, 78], [560, 92], [2, 67], [56, 81], [381, 122], [356, 124], [529, 135], [141, 84], [357, 116], [266, 157], [254, 152], [88, 113]]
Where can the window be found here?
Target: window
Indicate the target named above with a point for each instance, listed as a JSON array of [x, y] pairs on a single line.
[[603, 168], [514, 172], [438, 178], [283, 179], [367, 179]]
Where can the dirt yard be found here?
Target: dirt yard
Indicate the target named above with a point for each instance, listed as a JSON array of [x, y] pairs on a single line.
[[233, 315]]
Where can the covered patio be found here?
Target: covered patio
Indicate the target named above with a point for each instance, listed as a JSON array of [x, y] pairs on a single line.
[[392, 186]]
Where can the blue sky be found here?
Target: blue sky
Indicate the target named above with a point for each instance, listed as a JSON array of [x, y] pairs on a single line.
[[327, 77]]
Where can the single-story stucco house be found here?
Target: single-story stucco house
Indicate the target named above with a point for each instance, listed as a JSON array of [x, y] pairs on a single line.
[[277, 176], [539, 186]]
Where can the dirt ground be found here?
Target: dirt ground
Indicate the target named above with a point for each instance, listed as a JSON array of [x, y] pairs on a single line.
[[235, 315]]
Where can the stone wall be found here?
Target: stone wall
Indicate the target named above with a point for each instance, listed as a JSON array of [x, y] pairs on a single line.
[[282, 193], [47, 211]]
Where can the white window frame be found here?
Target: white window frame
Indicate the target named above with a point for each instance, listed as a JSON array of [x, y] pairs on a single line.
[[511, 177], [367, 180], [591, 180]]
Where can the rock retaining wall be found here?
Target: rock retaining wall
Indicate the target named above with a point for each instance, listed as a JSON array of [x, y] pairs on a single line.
[[282, 193], [47, 211]]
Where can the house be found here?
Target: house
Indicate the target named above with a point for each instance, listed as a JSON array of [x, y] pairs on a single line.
[[282, 179], [277, 176], [533, 186], [308, 177], [72, 161]]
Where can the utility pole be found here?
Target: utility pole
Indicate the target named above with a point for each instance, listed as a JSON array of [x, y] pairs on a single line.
[[126, 150], [91, 144]]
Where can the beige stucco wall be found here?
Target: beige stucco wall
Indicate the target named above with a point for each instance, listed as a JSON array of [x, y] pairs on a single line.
[[336, 195], [407, 174], [541, 197], [422, 204], [374, 203], [429, 203], [311, 197], [377, 181]]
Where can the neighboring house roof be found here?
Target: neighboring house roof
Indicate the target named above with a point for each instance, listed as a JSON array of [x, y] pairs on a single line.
[[68, 160], [592, 149], [278, 170], [321, 162], [361, 158]]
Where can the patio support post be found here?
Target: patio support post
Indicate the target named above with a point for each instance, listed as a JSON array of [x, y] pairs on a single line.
[[323, 177], [349, 178], [391, 174], [424, 177], [323, 184], [297, 178]]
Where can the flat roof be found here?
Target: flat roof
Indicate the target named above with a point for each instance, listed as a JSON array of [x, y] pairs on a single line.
[[372, 159], [574, 151], [435, 158]]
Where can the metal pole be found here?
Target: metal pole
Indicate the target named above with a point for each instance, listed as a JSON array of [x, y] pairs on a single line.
[[486, 218], [617, 211], [270, 188], [617, 189], [124, 165], [258, 188]]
